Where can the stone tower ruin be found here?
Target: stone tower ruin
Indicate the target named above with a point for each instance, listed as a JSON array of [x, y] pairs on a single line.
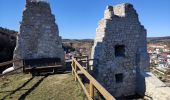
[[39, 35], [120, 49]]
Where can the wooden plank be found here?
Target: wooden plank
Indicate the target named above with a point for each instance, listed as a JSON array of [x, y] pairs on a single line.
[[8, 73], [98, 86], [75, 68], [8, 62], [82, 85], [80, 56], [161, 72], [91, 90], [72, 65], [87, 60], [43, 67]]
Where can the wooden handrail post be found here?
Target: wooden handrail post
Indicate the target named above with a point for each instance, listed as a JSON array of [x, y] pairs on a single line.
[[94, 84], [86, 63], [75, 67], [72, 64], [91, 90], [88, 67]]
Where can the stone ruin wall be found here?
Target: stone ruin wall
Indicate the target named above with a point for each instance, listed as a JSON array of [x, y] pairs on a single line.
[[120, 26], [152, 88], [38, 36]]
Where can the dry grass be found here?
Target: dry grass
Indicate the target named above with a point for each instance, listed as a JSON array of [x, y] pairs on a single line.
[[52, 87]]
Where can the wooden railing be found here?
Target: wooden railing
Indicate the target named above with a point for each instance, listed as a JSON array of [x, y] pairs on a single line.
[[7, 63], [159, 71], [93, 82]]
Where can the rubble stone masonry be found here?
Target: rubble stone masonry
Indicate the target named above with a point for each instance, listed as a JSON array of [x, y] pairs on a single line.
[[121, 51], [39, 35]]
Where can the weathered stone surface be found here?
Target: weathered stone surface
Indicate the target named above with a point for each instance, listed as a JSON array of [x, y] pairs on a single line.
[[121, 29], [154, 88], [39, 35]]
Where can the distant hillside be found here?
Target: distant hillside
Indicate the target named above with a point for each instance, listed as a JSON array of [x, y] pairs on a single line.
[[162, 40], [77, 44], [150, 39], [77, 40], [7, 31], [8, 42]]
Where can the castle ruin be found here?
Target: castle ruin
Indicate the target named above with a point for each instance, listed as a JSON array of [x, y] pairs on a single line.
[[39, 35], [121, 51]]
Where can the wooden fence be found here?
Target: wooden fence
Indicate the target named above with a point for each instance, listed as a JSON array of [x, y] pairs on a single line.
[[159, 71], [93, 82], [7, 63]]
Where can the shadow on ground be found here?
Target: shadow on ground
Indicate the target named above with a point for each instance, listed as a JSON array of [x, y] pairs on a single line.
[[28, 91]]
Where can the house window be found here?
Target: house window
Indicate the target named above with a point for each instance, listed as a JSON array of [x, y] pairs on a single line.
[[119, 78], [120, 51]]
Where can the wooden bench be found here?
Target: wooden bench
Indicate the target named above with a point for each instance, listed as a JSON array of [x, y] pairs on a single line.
[[43, 65]]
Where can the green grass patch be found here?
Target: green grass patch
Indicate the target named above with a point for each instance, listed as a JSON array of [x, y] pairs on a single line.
[[52, 87]]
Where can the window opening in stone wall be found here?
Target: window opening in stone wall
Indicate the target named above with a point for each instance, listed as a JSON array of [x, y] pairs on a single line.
[[119, 78], [120, 51]]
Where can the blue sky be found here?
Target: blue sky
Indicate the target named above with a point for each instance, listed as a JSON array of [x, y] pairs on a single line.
[[78, 19]]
